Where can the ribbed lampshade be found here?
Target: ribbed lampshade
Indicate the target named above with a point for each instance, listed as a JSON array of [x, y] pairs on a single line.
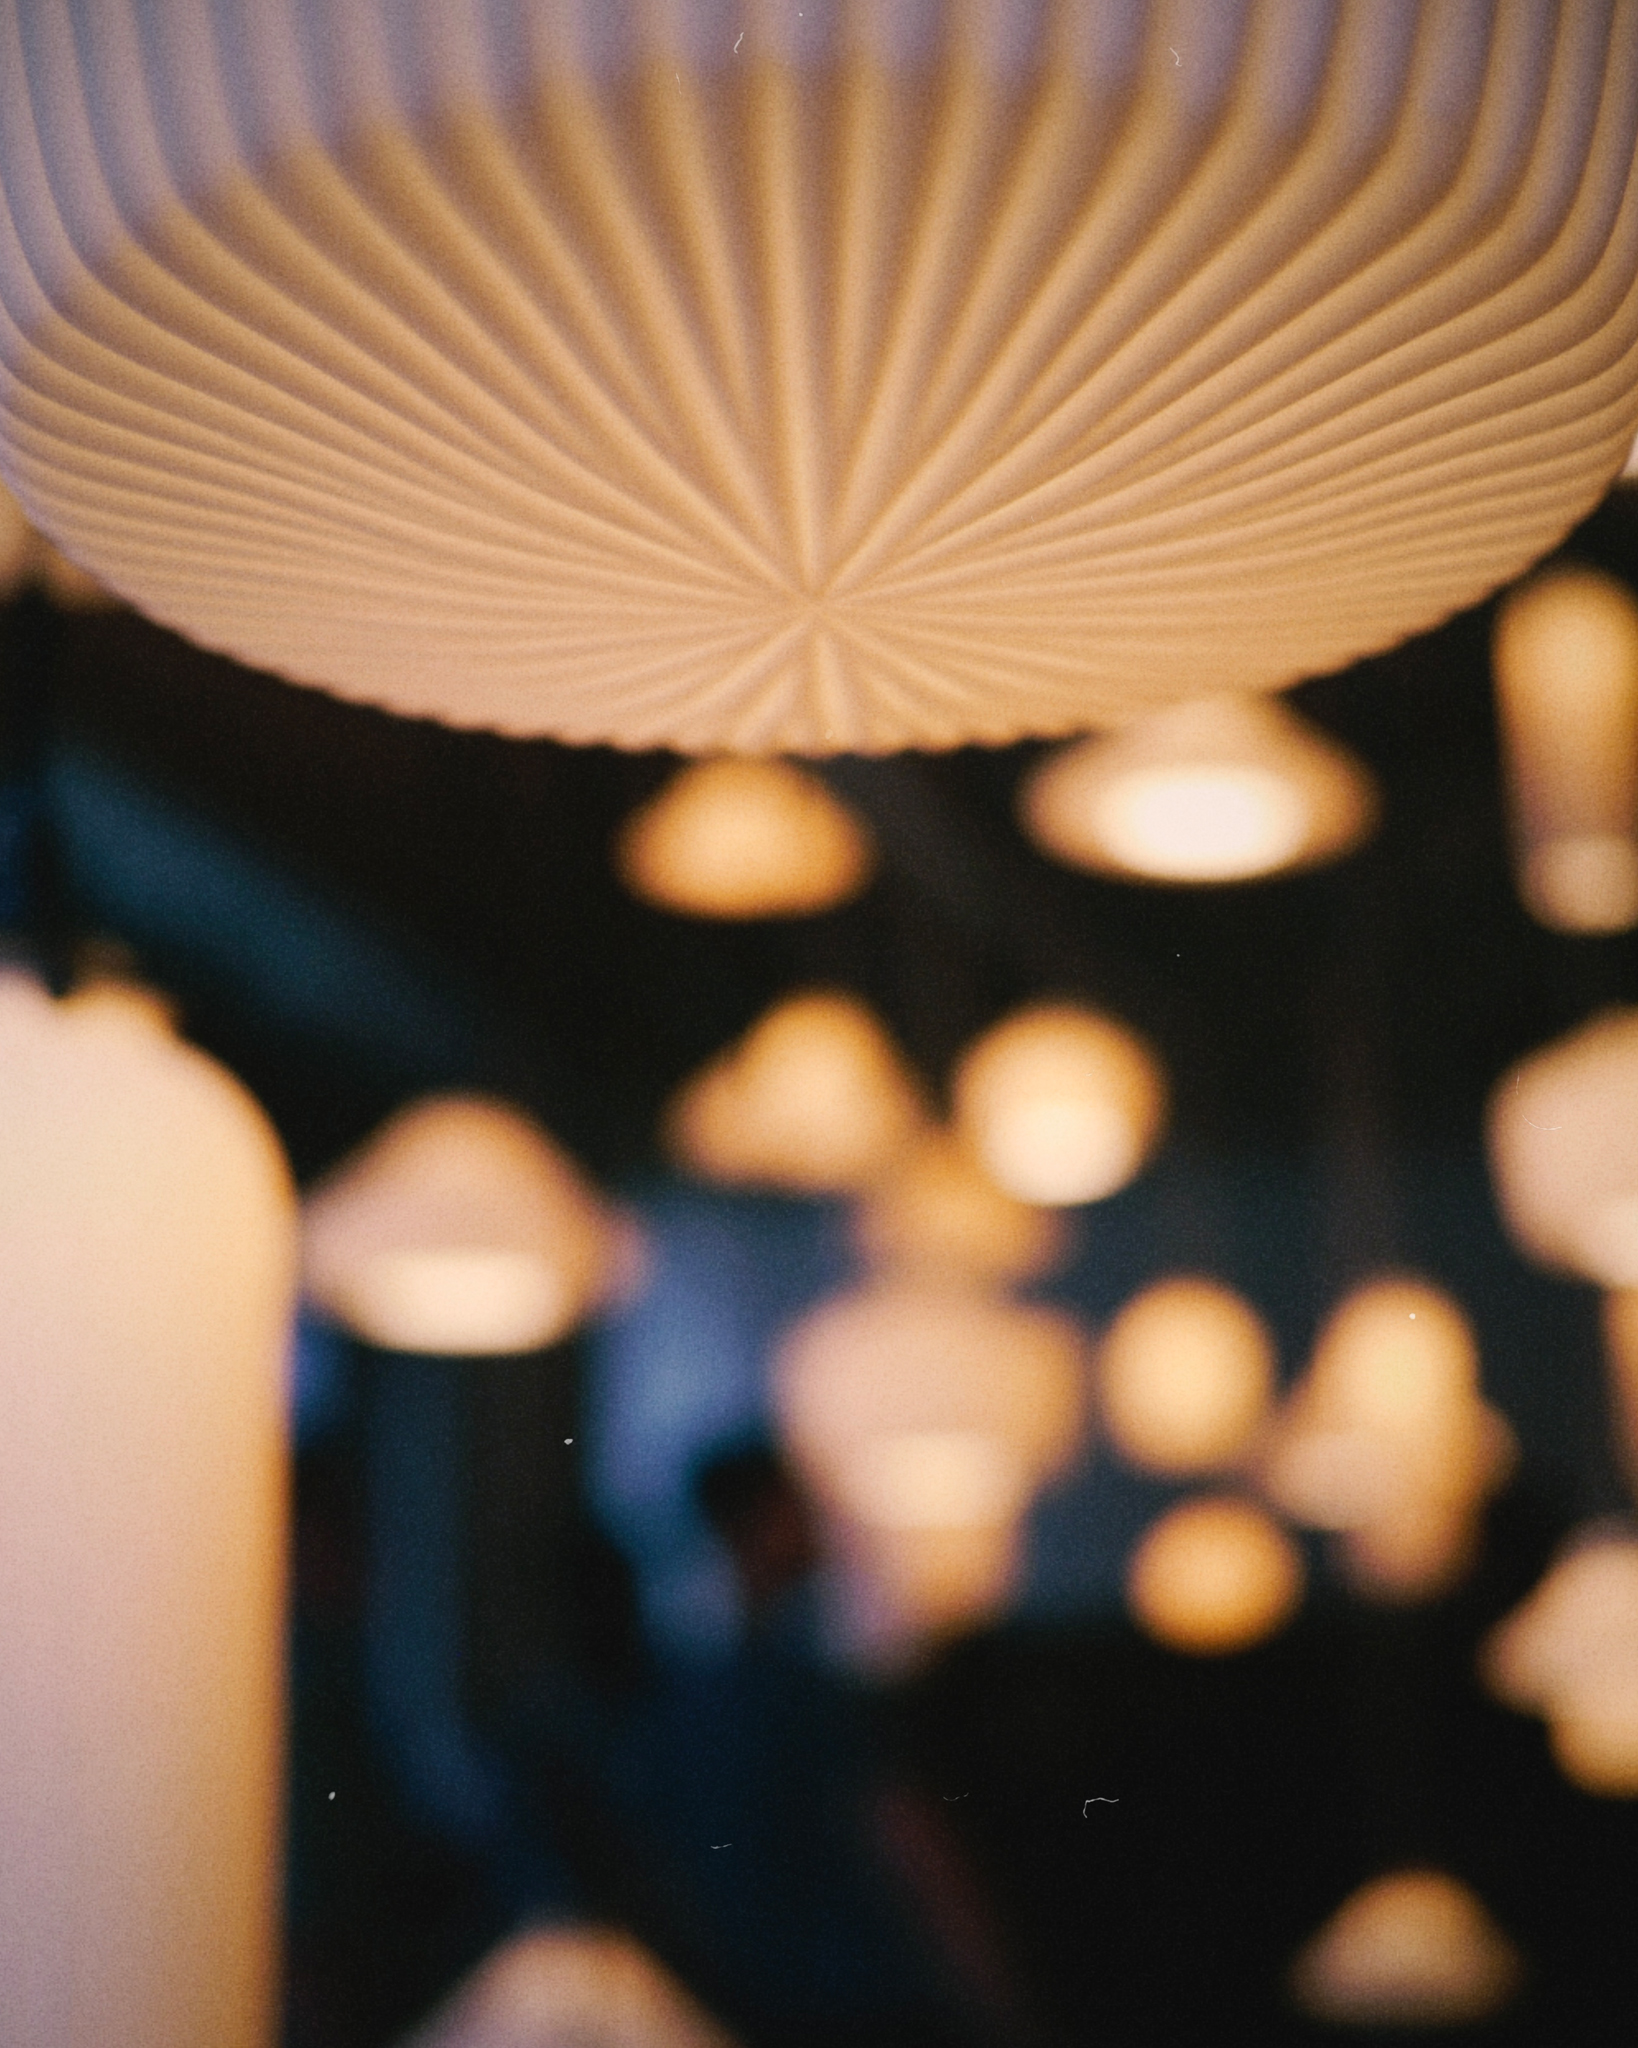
[[808, 376]]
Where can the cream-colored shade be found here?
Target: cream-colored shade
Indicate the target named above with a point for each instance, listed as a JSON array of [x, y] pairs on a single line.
[[459, 1229], [813, 1100], [1570, 1654], [1214, 1575], [1221, 789], [1060, 1104], [27, 557], [1387, 1440], [937, 1211], [1563, 1135], [549, 1987], [147, 1275], [1565, 654], [923, 1415], [1414, 1948], [736, 838], [776, 376], [1185, 1376]]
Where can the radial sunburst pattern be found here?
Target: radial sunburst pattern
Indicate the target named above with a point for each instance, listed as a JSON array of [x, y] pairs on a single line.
[[812, 376]]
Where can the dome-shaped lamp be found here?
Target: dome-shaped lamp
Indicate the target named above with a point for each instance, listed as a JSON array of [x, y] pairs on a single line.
[[1566, 665], [1061, 1105], [938, 1212], [1570, 1654], [1563, 1133], [813, 1100], [744, 839], [147, 1272], [1413, 1948], [923, 1416], [459, 1229], [1212, 1576], [1222, 789], [775, 377], [1185, 1376], [1387, 1441]]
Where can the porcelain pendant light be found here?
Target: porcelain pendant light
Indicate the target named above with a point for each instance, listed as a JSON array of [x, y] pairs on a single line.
[[1222, 789], [1563, 1135], [801, 375], [459, 1229], [1414, 1948], [1566, 664], [147, 1276]]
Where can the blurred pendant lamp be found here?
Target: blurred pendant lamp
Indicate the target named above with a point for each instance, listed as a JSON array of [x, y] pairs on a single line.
[[1565, 656], [1185, 1377], [461, 1230], [147, 1273], [744, 839], [1414, 1948], [1570, 1654], [1212, 1576], [1221, 789], [775, 377], [937, 1212], [1563, 1136], [813, 1100], [923, 1416], [569, 1987], [1387, 1441], [1060, 1104]]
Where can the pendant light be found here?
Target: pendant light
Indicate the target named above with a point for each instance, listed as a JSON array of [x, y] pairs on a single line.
[[1387, 1442], [936, 1211], [1563, 1135], [1185, 1377], [592, 1986], [923, 1415], [1220, 789], [1060, 1104], [775, 376], [815, 1099], [147, 1269], [1212, 1576], [1570, 1654], [1413, 1948], [459, 1229], [1565, 654], [744, 839]]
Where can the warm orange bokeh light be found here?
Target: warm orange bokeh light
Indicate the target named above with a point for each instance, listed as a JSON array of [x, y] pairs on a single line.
[[1213, 1576]]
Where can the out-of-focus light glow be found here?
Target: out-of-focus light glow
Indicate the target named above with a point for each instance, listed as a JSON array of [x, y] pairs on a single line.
[[1414, 1948], [460, 1229], [1213, 1576], [1061, 1105], [1563, 1136], [1223, 789], [934, 1479], [591, 1986], [814, 1099], [1570, 1654], [1387, 1441], [1621, 1365], [922, 1415], [147, 1276], [938, 1211], [744, 839], [1185, 1376], [1565, 655]]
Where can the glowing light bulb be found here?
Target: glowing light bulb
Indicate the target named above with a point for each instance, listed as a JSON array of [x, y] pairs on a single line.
[[744, 839], [1223, 789], [1566, 664], [937, 1211], [1214, 1576], [1185, 1375], [1060, 1104]]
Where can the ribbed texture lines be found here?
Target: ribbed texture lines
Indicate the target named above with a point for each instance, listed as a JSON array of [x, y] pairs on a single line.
[[805, 376]]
